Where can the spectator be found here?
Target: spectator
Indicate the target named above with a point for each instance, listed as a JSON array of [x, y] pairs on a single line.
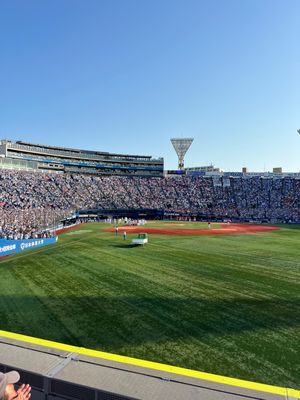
[[7, 389], [32, 203]]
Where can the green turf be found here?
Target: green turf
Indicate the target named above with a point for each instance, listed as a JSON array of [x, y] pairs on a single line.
[[226, 304]]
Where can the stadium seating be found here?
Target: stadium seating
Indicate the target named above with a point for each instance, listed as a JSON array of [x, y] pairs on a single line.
[[31, 201]]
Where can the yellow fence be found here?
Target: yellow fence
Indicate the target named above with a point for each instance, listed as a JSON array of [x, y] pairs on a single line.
[[286, 392]]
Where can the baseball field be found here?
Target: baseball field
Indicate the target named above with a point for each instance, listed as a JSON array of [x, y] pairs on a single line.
[[223, 303]]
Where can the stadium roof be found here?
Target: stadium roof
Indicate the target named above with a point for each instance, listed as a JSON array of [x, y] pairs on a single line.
[[79, 150]]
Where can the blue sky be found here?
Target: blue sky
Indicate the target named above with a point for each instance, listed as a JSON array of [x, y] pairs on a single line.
[[127, 75]]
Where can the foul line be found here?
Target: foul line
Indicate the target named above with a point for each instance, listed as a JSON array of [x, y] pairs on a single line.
[[156, 366]]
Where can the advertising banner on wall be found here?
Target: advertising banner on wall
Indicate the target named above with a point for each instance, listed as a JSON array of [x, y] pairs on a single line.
[[8, 247]]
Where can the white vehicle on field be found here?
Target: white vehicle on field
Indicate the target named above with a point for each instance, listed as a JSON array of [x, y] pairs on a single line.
[[142, 239]]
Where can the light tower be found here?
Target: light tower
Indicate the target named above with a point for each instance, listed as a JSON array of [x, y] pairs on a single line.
[[181, 146]]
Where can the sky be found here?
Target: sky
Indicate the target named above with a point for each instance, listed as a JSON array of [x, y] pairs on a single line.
[[124, 76]]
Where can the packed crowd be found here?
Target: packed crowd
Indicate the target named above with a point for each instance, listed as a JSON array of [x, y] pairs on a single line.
[[32, 202], [28, 223]]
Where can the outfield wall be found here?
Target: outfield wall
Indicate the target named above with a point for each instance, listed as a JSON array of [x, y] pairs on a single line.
[[63, 229], [57, 371], [8, 247]]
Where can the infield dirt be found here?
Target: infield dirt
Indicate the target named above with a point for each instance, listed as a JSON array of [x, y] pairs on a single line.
[[226, 229]]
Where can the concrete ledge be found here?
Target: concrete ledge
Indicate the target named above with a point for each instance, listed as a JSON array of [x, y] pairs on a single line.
[[69, 372]]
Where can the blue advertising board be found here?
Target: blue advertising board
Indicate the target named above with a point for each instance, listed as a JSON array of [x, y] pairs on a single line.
[[8, 247]]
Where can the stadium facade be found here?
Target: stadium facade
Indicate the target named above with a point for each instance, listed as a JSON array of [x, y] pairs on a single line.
[[24, 155], [30, 156]]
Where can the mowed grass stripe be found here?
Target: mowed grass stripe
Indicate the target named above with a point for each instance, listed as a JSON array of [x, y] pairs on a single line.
[[217, 304]]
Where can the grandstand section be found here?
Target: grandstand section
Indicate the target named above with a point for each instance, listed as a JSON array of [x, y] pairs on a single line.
[[81, 161], [39, 199]]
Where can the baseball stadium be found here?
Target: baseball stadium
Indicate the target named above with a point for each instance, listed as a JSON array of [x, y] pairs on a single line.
[[122, 280]]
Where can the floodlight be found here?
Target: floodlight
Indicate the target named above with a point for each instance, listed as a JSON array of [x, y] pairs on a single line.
[[181, 146]]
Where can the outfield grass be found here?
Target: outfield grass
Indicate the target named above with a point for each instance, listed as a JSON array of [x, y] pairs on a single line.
[[226, 304]]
